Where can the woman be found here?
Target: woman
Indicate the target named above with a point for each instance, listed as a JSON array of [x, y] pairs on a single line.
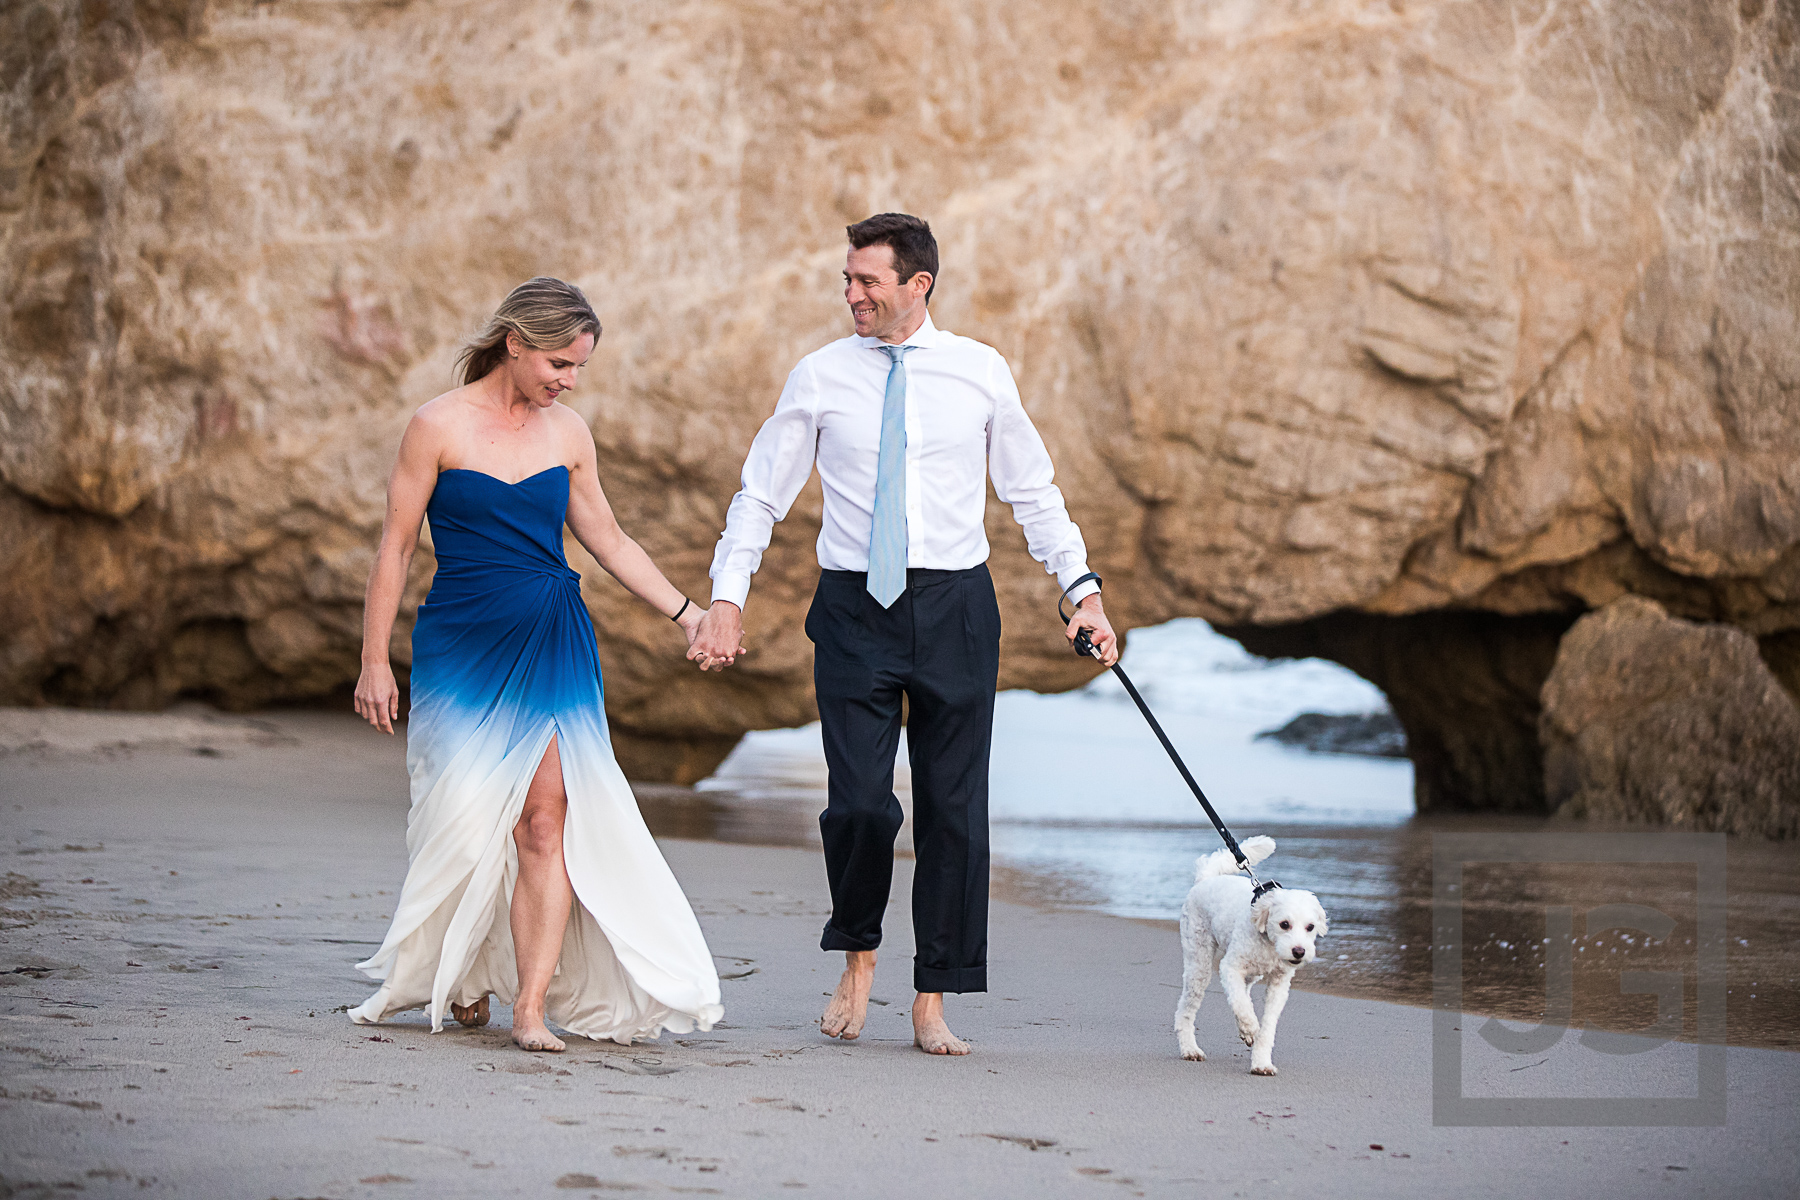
[[531, 876]]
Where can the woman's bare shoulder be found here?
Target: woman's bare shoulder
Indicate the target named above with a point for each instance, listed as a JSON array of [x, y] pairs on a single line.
[[435, 427], [448, 409], [572, 431], [442, 418]]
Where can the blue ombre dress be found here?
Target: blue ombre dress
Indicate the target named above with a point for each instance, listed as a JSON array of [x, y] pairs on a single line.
[[504, 658]]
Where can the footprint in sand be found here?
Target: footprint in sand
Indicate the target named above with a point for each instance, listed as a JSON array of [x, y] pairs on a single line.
[[577, 1181]]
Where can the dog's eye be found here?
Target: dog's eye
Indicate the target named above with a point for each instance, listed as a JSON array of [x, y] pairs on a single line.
[[1287, 924], [1309, 929]]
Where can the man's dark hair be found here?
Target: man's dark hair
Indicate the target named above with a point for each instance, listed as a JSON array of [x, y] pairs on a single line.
[[910, 239]]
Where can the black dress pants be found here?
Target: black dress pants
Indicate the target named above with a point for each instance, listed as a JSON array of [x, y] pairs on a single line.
[[939, 646]]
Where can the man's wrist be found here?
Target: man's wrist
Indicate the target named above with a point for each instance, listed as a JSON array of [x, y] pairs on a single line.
[[731, 586], [1091, 602], [1084, 585]]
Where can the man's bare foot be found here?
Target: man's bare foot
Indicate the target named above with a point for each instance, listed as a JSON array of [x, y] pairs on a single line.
[[930, 1033], [471, 1016], [530, 1033], [849, 1006]]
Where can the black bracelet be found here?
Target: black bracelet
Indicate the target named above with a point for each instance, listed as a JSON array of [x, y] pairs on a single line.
[[685, 605]]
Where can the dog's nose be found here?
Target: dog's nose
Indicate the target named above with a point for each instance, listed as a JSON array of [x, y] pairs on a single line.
[[1299, 953]]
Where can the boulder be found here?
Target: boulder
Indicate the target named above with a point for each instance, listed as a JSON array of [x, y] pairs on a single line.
[[1656, 720], [1332, 313]]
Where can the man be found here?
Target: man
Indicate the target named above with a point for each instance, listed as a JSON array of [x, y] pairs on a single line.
[[905, 423]]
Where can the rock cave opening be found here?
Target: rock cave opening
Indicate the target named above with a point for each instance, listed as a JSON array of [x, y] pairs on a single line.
[[1465, 686]]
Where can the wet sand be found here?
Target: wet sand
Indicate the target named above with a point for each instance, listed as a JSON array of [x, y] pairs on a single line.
[[179, 925], [1376, 883]]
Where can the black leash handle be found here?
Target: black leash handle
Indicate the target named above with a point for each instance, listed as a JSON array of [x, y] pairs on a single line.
[[1085, 647]]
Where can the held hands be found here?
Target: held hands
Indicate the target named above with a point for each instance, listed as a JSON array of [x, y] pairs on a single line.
[[717, 638], [1090, 616], [378, 696]]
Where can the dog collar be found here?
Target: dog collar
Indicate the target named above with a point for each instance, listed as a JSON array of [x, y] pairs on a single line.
[[1263, 889]]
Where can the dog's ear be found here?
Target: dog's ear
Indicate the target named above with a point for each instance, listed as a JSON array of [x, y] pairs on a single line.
[[1259, 912]]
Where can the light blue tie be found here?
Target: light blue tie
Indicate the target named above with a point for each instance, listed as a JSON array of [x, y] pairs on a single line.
[[887, 533]]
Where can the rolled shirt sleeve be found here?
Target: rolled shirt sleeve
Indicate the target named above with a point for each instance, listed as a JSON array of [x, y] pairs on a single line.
[[1024, 477], [777, 467]]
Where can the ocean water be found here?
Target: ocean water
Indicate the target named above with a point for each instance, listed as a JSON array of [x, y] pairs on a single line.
[[1087, 812], [1087, 757]]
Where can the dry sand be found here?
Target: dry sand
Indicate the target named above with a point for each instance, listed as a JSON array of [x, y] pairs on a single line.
[[180, 921]]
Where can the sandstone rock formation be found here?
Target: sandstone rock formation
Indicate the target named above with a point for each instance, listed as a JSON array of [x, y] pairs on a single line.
[[1404, 329], [1652, 719]]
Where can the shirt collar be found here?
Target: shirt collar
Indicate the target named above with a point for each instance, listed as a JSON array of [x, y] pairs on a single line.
[[924, 336]]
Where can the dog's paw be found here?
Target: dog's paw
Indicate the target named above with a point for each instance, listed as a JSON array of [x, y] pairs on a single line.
[[1247, 1032], [1194, 1054], [1267, 1069]]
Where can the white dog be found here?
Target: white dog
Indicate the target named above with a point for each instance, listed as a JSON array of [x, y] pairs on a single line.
[[1221, 929]]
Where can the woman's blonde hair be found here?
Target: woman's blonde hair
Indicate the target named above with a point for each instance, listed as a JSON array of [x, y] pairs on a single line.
[[546, 313]]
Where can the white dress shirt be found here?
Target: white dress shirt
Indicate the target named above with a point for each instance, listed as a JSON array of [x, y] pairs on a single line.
[[963, 422]]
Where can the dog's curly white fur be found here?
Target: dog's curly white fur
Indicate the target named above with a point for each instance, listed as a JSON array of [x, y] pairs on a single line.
[[1221, 930]]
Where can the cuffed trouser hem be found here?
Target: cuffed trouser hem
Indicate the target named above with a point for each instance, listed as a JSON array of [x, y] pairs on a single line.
[[837, 940], [949, 979], [834, 939]]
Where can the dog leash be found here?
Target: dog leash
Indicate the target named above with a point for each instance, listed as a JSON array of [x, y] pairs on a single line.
[[1085, 647]]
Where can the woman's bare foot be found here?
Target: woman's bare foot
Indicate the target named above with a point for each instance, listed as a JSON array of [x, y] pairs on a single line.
[[530, 1033], [849, 1006], [930, 1033], [471, 1016]]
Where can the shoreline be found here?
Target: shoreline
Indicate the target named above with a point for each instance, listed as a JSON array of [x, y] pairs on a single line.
[[787, 819], [180, 927], [1387, 936]]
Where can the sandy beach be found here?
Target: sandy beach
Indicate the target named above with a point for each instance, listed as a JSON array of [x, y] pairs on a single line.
[[180, 921]]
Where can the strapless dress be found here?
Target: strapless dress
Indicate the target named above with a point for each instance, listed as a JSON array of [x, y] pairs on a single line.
[[503, 660]]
